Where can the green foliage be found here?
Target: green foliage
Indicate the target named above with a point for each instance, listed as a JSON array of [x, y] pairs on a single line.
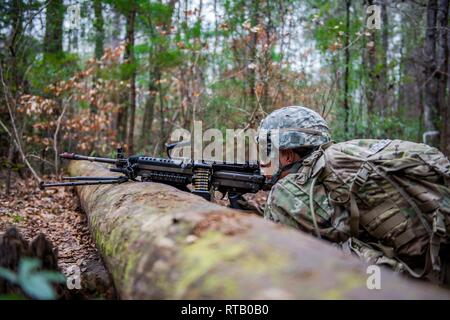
[[395, 127], [53, 68], [223, 105], [142, 48], [128, 69], [83, 105], [375, 127], [276, 57], [153, 14], [34, 282], [169, 58], [18, 218], [328, 34], [160, 12]]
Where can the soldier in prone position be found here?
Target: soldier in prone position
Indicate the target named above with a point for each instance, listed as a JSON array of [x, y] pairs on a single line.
[[387, 201]]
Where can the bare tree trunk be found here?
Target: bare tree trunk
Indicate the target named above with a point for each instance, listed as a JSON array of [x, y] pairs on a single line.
[[163, 111], [99, 28], [149, 112], [130, 56], [384, 79], [53, 39], [266, 64], [197, 72], [371, 90], [446, 115], [12, 85], [153, 74], [251, 74], [185, 70], [162, 116], [442, 64], [399, 101], [347, 67], [99, 41], [122, 118], [431, 106], [411, 76], [14, 76], [116, 26]]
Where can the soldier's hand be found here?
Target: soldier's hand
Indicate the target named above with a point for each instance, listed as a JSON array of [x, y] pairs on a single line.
[[254, 201]]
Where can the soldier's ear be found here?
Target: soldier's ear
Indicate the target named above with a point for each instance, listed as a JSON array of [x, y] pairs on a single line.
[[291, 156]]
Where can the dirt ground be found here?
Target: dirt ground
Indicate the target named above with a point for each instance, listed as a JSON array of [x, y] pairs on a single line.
[[56, 213]]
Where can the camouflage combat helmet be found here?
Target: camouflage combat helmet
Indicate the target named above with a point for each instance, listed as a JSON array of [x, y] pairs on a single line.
[[298, 127]]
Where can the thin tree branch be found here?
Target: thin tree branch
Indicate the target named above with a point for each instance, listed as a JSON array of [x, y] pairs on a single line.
[[15, 138], [55, 135]]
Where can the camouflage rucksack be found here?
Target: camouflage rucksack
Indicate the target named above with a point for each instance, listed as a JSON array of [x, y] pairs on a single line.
[[392, 194]]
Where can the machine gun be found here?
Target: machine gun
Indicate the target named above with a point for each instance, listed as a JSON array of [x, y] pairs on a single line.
[[205, 177]]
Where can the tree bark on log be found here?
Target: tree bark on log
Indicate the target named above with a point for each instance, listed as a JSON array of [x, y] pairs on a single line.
[[162, 243]]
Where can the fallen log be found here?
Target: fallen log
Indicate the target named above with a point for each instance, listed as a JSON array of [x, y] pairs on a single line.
[[161, 243]]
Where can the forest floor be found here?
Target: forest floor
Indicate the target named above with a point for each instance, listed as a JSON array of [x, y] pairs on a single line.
[[56, 214]]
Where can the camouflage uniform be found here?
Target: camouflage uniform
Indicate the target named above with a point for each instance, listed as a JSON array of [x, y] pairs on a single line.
[[296, 126], [324, 194], [289, 203]]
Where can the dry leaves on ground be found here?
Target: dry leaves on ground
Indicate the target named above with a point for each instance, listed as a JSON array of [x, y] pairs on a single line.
[[56, 213]]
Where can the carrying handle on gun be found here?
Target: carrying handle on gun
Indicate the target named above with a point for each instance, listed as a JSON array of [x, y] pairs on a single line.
[[171, 146]]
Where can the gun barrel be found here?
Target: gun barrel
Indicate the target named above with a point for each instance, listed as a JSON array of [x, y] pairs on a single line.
[[84, 181], [74, 156]]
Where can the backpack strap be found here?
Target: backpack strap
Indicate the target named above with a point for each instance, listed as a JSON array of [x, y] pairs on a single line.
[[311, 207], [358, 181], [312, 166], [307, 166], [437, 237], [441, 167]]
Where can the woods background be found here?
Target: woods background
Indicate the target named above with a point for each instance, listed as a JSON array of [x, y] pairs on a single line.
[[87, 76]]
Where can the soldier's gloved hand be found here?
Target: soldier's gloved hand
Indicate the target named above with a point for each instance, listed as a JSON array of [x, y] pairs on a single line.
[[253, 202]]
